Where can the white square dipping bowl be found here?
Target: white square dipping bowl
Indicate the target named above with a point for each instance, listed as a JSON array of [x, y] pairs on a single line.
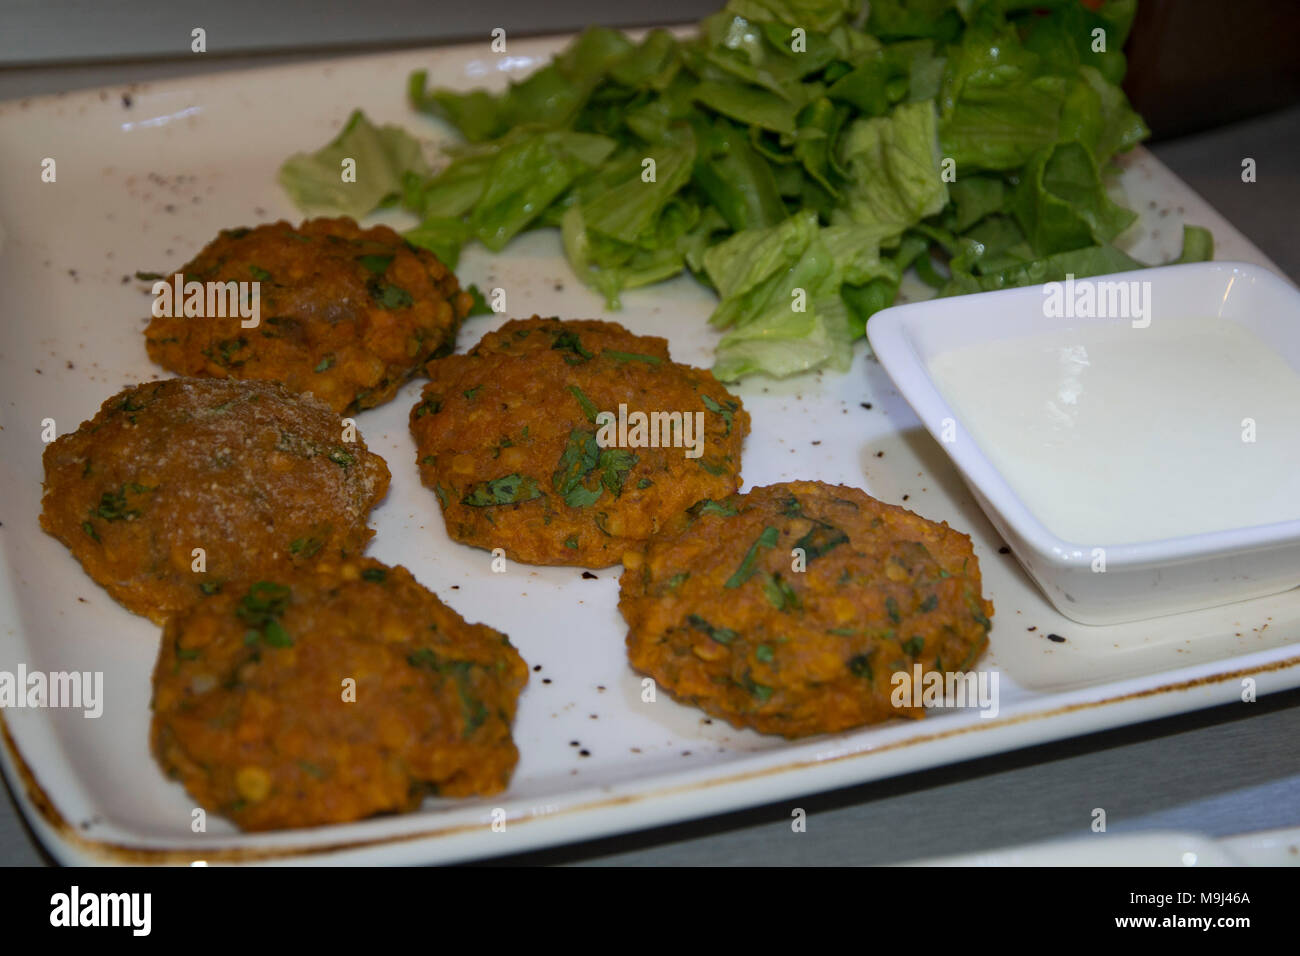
[[1141, 580]]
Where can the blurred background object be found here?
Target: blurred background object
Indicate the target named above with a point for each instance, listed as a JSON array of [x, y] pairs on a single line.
[[1194, 64]]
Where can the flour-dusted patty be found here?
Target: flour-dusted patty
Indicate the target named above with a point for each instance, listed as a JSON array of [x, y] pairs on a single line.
[[254, 476], [720, 616], [346, 313], [332, 693], [513, 439]]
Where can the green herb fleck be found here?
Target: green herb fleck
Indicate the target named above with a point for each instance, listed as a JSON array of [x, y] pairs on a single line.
[[376, 265], [821, 539], [568, 341], [710, 507], [588, 406], [275, 635], [761, 691], [726, 411], [767, 539], [632, 357], [506, 490], [581, 455], [779, 593], [387, 295], [723, 635], [478, 304], [260, 609], [614, 464], [113, 504], [306, 547], [224, 354], [474, 712]]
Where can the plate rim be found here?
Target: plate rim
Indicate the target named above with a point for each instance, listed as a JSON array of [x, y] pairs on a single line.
[[1173, 698]]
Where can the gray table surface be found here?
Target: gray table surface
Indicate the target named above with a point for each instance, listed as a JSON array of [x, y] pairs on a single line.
[[1228, 770]]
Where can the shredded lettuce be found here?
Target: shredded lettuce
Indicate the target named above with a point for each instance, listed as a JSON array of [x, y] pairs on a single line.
[[894, 171], [383, 156], [781, 295], [794, 155]]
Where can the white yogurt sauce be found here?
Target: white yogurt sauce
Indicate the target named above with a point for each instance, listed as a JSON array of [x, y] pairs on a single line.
[[1117, 435]]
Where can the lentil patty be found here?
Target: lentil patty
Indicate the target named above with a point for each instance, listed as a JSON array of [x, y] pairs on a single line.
[[717, 615], [255, 476], [347, 313], [251, 708], [507, 437]]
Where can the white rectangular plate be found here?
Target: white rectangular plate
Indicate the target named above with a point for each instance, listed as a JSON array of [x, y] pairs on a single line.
[[147, 175]]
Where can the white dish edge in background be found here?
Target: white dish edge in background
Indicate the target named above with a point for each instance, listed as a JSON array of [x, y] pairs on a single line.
[[1147, 848]]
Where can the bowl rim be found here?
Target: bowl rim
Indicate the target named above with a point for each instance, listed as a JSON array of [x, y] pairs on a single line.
[[889, 333]]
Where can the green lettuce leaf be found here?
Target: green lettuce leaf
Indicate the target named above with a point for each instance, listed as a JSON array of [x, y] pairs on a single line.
[[443, 236], [383, 156], [1092, 261], [1061, 203], [819, 15], [781, 295], [997, 106], [734, 177], [527, 176], [893, 165], [549, 97], [1198, 245]]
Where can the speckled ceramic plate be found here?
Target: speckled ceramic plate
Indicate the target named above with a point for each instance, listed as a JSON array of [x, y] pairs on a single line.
[[146, 175]]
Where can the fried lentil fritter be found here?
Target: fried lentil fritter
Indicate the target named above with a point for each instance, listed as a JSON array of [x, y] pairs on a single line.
[[717, 615], [255, 476], [509, 437], [330, 694], [347, 313]]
